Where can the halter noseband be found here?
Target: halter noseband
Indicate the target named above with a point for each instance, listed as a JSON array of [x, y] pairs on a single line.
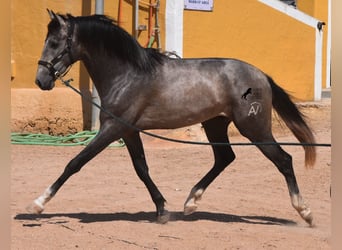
[[50, 65]]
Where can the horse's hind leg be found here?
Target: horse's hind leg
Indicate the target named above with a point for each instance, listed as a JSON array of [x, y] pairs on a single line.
[[283, 162], [216, 131], [136, 150]]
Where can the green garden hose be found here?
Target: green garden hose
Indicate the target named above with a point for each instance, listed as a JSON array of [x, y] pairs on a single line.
[[81, 138]]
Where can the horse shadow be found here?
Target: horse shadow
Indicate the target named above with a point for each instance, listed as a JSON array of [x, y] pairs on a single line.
[[151, 217]]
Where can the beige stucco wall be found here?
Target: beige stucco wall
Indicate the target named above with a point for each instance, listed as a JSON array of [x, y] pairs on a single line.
[[29, 28], [251, 31], [248, 30], [319, 10]]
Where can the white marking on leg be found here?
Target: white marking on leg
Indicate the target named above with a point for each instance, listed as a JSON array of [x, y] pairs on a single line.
[[190, 205], [44, 198], [304, 211], [38, 204]]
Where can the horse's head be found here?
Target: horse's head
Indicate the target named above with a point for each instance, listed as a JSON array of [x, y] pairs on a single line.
[[57, 55]]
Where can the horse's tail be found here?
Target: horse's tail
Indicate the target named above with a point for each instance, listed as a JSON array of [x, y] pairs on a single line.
[[294, 120]]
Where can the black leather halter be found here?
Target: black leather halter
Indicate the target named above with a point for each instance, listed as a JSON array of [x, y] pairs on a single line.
[[50, 65]]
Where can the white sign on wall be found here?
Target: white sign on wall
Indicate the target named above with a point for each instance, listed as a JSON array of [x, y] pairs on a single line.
[[206, 5]]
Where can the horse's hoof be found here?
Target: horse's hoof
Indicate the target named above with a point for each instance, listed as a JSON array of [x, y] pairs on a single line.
[[189, 209], [302, 208], [163, 218], [310, 222], [34, 208], [307, 216], [190, 205]]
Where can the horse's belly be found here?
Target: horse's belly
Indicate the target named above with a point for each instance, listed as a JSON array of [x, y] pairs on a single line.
[[177, 118]]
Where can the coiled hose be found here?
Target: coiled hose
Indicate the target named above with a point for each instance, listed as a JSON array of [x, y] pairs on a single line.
[[81, 138]]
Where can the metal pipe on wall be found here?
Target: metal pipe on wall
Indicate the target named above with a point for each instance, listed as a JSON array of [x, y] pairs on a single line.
[[120, 13], [84, 79], [157, 26], [174, 26], [99, 7], [136, 18], [95, 112]]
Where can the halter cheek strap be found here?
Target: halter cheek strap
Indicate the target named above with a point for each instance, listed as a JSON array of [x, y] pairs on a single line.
[[50, 65]]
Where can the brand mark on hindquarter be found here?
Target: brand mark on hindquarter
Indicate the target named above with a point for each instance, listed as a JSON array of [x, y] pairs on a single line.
[[254, 109]]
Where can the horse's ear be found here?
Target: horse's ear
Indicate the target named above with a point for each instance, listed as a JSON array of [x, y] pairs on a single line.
[[54, 16], [51, 14], [61, 20]]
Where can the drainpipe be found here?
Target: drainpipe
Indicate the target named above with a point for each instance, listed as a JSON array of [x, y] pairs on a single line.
[[99, 7], [120, 13], [136, 18], [157, 26], [174, 26], [95, 122]]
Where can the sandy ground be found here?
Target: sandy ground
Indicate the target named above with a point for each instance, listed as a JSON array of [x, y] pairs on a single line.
[[105, 206]]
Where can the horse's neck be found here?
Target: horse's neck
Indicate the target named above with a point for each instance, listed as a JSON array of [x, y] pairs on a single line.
[[104, 71]]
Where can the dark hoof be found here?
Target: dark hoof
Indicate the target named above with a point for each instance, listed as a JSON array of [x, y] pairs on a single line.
[[164, 217]]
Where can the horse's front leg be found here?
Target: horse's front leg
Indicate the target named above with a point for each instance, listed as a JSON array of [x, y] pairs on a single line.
[[136, 150], [104, 137]]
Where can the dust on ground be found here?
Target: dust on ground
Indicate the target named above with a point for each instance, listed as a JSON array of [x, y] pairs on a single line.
[[106, 206]]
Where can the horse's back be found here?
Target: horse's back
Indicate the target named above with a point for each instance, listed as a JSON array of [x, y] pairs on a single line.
[[189, 91]]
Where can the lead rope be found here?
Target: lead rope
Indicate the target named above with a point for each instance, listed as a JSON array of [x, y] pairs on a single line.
[[118, 119]]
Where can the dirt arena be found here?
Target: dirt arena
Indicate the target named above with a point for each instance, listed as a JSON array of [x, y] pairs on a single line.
[[106, 206]]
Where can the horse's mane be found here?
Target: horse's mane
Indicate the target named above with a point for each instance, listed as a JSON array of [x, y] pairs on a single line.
[[101, 32]]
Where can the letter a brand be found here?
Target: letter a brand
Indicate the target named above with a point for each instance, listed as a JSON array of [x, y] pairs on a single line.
[[254, 109]]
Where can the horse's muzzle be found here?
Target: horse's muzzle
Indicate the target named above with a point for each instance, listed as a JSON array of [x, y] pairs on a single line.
[[45, 86]]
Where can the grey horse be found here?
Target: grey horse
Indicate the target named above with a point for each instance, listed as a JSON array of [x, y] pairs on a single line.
[[150, 90]]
